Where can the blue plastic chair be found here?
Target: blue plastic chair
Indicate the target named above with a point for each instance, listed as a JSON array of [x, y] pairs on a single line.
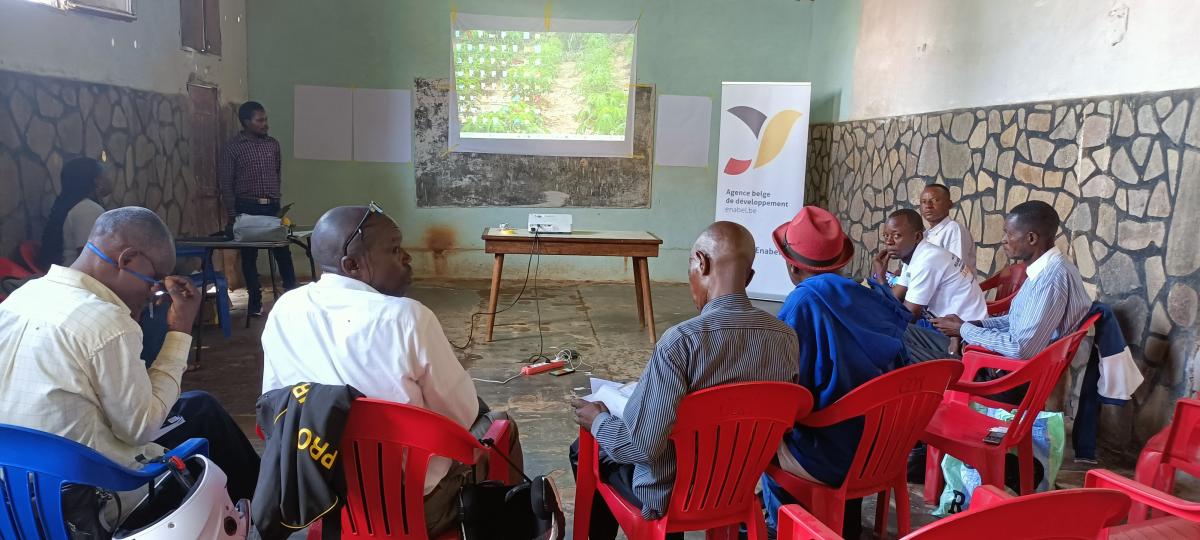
[[211, 275], [36, 465]]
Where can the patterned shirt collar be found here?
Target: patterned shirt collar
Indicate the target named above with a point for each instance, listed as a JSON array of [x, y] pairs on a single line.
[[1036, 267], [728, 301]]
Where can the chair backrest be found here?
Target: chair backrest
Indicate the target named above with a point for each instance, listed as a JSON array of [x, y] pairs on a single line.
[[29, 250], [1054, 515], [895, 408], [1182, 450], [1006, 282], [724, 437], [10, 269], [385, 453], [33, 467], [1043, 372]]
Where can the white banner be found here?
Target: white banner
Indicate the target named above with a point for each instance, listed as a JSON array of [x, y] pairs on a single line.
[[760, 182]]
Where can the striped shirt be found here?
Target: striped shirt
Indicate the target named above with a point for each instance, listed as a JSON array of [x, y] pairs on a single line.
[[730, 341], [1050, 304]]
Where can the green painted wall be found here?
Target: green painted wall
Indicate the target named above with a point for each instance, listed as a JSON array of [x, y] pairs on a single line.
[[684, 47]]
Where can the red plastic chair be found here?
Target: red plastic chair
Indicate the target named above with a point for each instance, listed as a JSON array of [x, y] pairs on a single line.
[[895, 407], [1006, 284], [959, 430], [1154, 480], [1150, 470], [10, 269], [723, 437], [1057, 515], [384, 440], [29, 254]]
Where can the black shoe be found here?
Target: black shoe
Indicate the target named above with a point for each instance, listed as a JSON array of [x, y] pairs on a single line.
[[255, 312]]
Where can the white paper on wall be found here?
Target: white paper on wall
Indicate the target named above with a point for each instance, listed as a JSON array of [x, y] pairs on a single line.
[[323, 123], [682, 131], [383, 125]]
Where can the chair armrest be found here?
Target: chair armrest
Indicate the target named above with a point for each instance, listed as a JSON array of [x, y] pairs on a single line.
[[185, 450], [797, 524], [500, 432], [974, 361], [986, 496], [1100, 478]]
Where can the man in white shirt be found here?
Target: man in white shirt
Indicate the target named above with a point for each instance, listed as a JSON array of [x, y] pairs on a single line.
[[933, 280], [356, 327], [70, 346], [943, 231]]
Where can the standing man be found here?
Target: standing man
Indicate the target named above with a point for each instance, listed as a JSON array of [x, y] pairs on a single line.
[[250, 182]]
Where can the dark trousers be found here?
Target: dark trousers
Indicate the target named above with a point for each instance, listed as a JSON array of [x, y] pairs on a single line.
[[1087, 417], [619, 476], [283, 255], [228, 446]]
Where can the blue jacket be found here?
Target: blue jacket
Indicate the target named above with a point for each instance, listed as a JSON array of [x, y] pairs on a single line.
[[849, 334]]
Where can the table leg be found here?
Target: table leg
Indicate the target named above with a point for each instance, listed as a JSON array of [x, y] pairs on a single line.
[[306, 245], [643, 267], [494, 294], [206, 269], [637, 289], [271, 262]]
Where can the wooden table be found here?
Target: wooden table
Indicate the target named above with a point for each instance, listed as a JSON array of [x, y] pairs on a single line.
[[637, 245]]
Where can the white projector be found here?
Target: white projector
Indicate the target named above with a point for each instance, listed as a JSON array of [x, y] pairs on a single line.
[[550, 223]]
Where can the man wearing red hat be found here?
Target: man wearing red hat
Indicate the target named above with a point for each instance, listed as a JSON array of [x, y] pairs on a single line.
[[848, 334]]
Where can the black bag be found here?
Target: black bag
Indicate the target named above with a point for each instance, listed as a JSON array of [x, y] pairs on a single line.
[[526, 511]]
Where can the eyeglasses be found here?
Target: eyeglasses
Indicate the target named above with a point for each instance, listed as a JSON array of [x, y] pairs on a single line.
[[160, 289], [358, 231]]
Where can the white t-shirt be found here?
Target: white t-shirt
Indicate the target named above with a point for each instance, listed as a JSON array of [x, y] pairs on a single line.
[[77, 227], [342, 331], [955, 238], [938, 280]]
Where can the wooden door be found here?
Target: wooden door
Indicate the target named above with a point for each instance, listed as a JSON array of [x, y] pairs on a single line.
[[203, 212]]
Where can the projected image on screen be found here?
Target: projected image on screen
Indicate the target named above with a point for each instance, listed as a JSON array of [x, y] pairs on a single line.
[[514, 84]]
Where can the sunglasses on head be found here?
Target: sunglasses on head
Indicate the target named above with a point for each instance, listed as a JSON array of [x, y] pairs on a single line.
[[358, 231]]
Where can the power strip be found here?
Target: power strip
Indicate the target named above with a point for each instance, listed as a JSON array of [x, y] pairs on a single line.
[[542, 367]]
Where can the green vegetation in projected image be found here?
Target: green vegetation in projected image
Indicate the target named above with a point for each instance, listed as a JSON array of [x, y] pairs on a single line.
[[542, 85]]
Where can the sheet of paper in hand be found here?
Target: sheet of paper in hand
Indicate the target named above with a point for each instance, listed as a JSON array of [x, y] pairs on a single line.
[[614, 395]]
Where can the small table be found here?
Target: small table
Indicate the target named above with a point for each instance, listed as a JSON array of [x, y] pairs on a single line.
[[635, 244]]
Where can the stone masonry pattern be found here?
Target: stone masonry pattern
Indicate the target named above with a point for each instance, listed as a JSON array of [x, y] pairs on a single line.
[[1123, 173], [141, 136]]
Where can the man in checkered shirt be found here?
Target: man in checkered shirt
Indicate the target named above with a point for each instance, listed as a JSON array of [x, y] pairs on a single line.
[[250, 182]]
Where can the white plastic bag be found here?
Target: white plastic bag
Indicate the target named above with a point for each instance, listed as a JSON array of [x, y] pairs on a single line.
[[249, 228]]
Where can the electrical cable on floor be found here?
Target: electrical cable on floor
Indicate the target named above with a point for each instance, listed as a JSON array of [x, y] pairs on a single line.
[[528, 265]]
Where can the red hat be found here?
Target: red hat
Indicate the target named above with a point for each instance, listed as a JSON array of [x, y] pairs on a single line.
[[813, 241]]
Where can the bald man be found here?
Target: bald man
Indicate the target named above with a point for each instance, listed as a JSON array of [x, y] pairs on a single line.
[[356, 326], [70, 349], [730, 341]]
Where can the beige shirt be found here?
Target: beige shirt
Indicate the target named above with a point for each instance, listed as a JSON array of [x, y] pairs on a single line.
[[69, 365]]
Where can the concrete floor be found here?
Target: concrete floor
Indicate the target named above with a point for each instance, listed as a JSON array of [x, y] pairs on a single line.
[[596, 319]]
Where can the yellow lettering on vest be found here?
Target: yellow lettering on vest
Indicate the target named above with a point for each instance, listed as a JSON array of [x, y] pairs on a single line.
[[301, 392], [328, 460], [317, 449], [303, 437]]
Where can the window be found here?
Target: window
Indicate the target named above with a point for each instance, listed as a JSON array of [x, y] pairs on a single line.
[[522, 86], [200, 25], [121, 9]]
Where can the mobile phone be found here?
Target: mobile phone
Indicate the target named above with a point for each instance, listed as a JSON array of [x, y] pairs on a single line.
[[994, 437], [563, 371]]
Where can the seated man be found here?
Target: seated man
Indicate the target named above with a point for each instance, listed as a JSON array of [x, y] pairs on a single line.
[[70, 344], [1050, 304], [934, 279], [356, 327], [944, 231], [848, 335], [729, 342]]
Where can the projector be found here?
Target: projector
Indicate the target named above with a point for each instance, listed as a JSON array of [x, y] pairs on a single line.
[[550, 223]]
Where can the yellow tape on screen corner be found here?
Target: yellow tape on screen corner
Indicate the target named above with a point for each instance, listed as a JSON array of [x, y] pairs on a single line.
[[549, 10]]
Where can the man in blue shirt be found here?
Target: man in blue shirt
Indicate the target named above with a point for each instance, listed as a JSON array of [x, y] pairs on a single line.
[[848, 335]]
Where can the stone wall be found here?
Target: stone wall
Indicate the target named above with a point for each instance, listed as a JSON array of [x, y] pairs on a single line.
[[1123, 173], [142, 136]]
